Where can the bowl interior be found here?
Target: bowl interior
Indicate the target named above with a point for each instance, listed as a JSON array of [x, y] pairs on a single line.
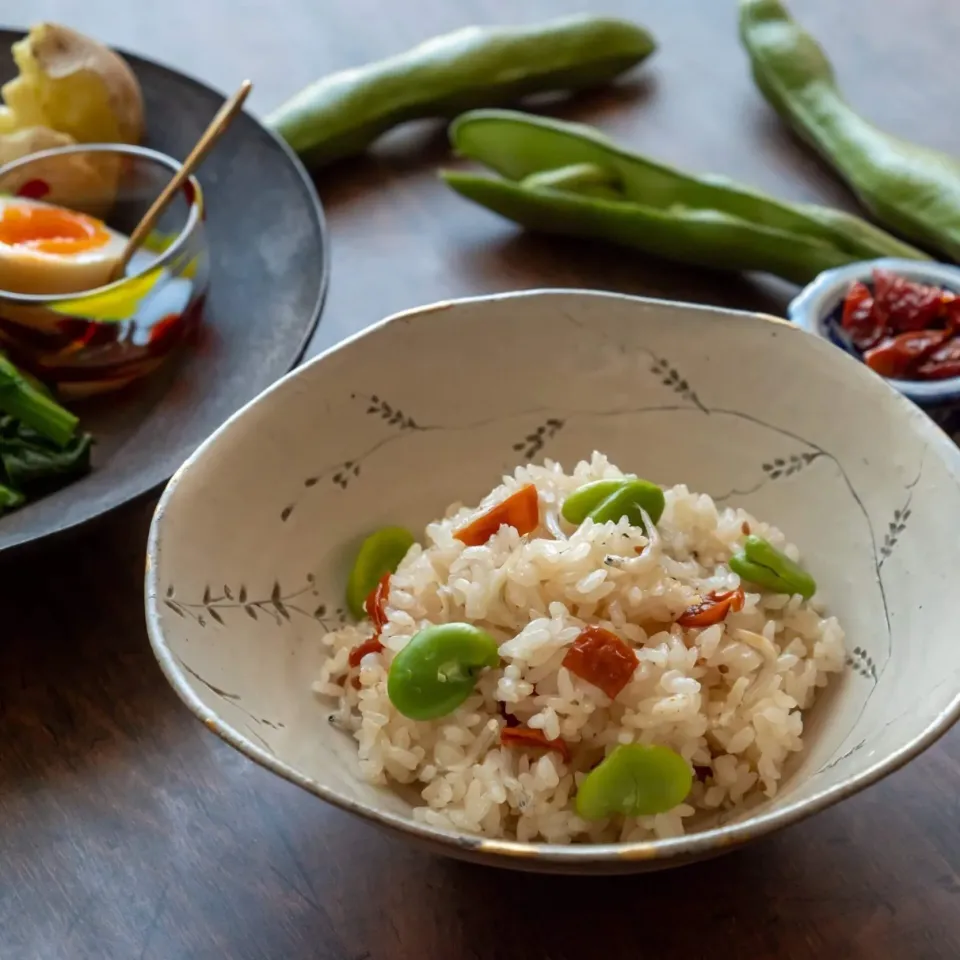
[[253, 539]]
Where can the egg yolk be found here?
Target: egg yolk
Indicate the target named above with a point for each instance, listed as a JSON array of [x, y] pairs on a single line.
[[51, 230]]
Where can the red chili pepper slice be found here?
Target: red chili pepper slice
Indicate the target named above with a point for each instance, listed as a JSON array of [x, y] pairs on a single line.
[[942, 363], [859, 319], [902, 355], [373, 645], [601, 658], [376, 603], [376, 607], [528, 737], [521, 510], [712, 609]]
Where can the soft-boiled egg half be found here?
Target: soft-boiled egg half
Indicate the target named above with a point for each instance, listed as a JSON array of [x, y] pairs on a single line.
[[45, 249]]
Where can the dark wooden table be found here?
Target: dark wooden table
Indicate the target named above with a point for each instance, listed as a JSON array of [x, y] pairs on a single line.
[[129, 831]]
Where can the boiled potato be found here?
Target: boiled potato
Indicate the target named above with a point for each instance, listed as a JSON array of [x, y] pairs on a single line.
[[73, 85]]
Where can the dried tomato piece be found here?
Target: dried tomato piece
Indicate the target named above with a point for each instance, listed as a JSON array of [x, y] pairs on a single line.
[[376, 604], [601, 658], [901, 355], [942, 363], [859, 319], [373, 645], [712, 609], [521, 510], [528, 737], [903, 304]]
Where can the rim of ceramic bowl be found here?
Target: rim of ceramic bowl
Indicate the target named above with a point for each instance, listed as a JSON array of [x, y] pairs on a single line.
[[514, 852], [194, 213], [811, 307]]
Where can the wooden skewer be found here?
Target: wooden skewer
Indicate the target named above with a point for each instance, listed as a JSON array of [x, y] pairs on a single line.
[[223, 119]]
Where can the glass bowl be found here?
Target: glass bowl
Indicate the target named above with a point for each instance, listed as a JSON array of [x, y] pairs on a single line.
[[104, 337]]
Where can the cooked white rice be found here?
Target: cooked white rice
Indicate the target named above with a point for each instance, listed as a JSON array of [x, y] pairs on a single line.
[[728, 698]]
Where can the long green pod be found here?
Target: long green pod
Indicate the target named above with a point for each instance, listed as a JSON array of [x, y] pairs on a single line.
[[699, 237], [518, 145], [343, 113], [911, 189]]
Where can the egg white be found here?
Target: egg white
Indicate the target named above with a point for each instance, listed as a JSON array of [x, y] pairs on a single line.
[[29, 271]]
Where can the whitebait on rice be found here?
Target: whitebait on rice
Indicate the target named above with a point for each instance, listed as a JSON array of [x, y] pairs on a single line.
[[582, 657]]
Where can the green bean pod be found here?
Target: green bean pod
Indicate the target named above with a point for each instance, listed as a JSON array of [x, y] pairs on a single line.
[[707, 221], [762, 563], [910, 189], [343, 113]]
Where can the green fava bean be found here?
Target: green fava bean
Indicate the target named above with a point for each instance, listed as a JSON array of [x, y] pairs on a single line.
[[380, 553], [628, 501], [576, 508], [438, 669], [636, 780], [762, 563]]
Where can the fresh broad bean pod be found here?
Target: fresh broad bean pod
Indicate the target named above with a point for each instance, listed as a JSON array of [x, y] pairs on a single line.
[[569, 179], [762, 563], [343, 113], [910, 189]]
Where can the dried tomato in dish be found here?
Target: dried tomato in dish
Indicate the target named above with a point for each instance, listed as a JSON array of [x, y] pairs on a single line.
[[905, 330], [601, 658], [859, 319], [521, 510], [943, 363], [712, 609], [529, 737], [900, 356]]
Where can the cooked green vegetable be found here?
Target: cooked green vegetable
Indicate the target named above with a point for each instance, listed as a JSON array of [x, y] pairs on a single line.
[[606, 504], [636, 780], [438, 669], [32, 465], [569, 179], [27, 402], [343, 113], [762, 563], [380, 553], [578, 505], [911, 189]]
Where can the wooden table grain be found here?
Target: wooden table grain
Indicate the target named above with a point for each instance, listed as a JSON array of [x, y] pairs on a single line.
[[129, 831]]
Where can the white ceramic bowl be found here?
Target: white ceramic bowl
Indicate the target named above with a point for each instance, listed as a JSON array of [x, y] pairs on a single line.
[[252, 540]]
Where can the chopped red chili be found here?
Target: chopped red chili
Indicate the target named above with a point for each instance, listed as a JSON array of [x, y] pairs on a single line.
[[528, 737], [376, 603], [601, 658], [521, 510], [376, 607], [373, 645], [712, 609], [903, 328]]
